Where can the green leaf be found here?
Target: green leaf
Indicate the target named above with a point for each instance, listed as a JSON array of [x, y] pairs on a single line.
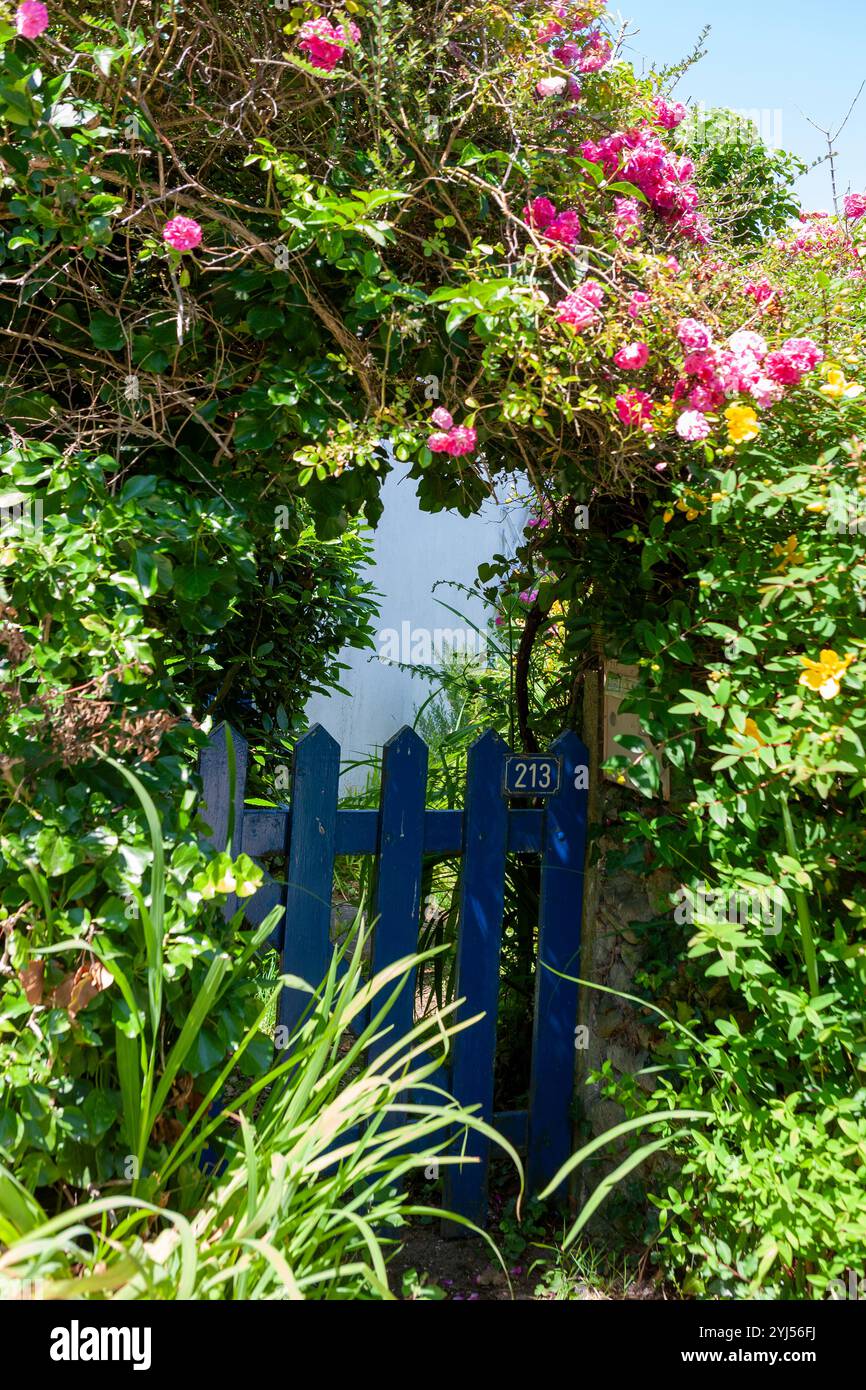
[[106, 332]]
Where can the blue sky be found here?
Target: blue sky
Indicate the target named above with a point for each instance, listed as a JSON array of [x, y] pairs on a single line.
[[786, 58]]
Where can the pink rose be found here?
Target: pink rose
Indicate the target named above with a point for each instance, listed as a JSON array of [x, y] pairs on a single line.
[[637, 304], [325, 43], [461, 440], [761, 291], [634, 408], [632, 357], [551, 29], [576, 313], [693, 426], [539, 213], [765, 392], [592, 292], [745, 343], [183, 233], [441, 418], [790, 363], [669, 115], [580, 308], [31, 19], [855, 206], [438, 442], [694, 335], [596, 54], [551, 86], [628, 220], [565, 228], [567, 54], [705, 398]]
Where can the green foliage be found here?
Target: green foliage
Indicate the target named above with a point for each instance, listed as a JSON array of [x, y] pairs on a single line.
[[103, 930], [747, 687], [315, 1190], [748, 185]]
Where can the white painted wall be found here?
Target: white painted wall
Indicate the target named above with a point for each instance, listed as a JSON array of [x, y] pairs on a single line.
[[412, 550]]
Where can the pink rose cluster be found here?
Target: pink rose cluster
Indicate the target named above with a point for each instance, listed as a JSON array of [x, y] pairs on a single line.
[[665, 179], [744, 366], [855, 206], [762, 292], [791, 362], [449, 438], [579, 310], [562, 227], [31, 19], [817, 236], [669, 114], [325, 43], [596, 54], [589, 53], [183, 233]]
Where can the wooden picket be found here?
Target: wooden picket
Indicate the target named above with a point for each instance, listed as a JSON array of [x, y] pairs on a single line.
[[312, 831]]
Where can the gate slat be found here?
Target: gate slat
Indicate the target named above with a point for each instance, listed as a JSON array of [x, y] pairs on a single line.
[[397, 899], [221, 812], [307, 932], [482, 892], [561, 911]]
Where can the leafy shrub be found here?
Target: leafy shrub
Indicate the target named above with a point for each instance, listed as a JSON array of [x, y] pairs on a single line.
[[768, 737], [89, 683]]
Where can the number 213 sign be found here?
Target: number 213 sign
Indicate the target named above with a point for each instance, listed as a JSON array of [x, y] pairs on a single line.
[[531, 775]]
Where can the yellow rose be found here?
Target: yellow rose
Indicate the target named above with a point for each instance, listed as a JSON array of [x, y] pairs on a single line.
[[742, 423]]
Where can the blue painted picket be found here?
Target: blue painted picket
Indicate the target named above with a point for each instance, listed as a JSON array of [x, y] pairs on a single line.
[[312, 831]]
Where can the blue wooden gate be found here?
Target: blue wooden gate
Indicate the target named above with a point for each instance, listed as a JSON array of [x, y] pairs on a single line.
[[312, 831]]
